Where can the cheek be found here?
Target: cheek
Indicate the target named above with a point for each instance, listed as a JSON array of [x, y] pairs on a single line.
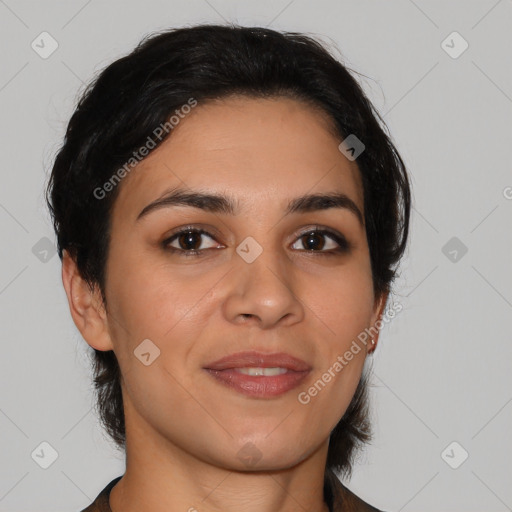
[[161, 303], [343, 305], [148, 295]]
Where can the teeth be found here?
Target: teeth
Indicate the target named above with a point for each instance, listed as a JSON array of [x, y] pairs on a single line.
[[265, 372]]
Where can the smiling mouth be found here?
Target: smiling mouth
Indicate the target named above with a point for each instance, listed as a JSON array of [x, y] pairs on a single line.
[[259, 374]]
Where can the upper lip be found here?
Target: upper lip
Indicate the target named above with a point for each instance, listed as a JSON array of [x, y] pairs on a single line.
[[253, 359]]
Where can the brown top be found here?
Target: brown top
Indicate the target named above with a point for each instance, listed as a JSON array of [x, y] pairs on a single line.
[[337, 497]]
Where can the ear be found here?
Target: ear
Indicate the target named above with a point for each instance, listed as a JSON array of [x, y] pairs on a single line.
[[380, 304], [86, 306]]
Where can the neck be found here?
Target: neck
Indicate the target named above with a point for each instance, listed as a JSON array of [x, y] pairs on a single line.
[[161, 476]]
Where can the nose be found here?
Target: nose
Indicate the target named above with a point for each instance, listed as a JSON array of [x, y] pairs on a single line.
[[263, 292]]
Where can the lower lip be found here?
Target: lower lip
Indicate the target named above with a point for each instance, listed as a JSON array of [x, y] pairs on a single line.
[[259, 386]]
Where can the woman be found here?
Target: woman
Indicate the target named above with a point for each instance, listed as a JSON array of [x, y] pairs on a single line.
[[229, 213]]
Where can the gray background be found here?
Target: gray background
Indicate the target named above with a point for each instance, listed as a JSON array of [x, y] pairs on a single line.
[[443, 367]]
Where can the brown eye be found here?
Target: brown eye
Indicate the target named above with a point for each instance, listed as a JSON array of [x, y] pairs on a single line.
[[315, 241], [187, 242]]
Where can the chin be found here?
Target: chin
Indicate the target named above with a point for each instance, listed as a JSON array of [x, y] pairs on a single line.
[[260, 453]]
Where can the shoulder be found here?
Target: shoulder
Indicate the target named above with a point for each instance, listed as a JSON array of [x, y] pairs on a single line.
[[101, 503], [344, 500]]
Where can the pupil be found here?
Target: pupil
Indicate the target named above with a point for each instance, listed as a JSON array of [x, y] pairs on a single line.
[[187, 239], [310, 237]]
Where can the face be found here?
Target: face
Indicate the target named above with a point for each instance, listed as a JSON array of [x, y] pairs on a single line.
[[258, 278]]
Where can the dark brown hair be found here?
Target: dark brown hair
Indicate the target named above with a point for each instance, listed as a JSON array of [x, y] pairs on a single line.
[[120, 109]]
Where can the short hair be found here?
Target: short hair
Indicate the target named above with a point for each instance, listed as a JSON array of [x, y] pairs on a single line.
[[120, 109]]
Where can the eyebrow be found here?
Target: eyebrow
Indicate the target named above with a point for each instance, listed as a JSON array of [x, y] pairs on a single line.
[[220, 203]]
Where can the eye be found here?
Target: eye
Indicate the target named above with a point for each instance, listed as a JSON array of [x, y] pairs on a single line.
[[187, 242], [314, 240]]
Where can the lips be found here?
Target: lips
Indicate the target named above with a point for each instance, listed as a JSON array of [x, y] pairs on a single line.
[[259, 360], [286, 373]]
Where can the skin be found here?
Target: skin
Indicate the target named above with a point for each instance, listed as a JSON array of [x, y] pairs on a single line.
[[184, 429]]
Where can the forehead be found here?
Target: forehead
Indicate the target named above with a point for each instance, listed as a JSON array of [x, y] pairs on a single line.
[[262, 151]]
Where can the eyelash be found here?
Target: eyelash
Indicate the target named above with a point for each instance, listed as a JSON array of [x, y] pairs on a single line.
[[344, 245]]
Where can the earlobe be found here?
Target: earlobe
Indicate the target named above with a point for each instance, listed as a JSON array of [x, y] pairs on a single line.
[[380, 305], [86, 306]]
